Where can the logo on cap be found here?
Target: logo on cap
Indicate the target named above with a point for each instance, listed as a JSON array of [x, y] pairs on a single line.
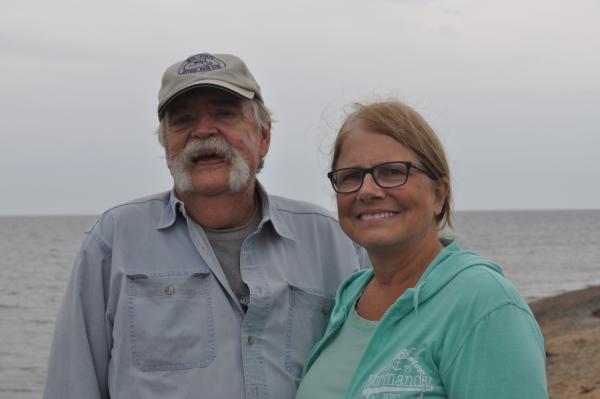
[[201, 63]]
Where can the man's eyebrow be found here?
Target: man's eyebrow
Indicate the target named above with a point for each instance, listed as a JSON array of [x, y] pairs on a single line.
[[231, 101], [174, 108]]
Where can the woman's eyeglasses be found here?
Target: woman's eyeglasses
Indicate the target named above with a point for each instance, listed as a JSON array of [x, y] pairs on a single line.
[[385, 175]]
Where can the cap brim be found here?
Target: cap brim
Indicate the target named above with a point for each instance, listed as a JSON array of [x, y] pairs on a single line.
[[219, 84]]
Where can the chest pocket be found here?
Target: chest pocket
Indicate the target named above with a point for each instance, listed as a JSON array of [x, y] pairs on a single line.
[[171, 320], [307, 318]]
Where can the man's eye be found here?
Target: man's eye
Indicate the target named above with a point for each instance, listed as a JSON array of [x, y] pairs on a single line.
[[225, 113], [181, 120]]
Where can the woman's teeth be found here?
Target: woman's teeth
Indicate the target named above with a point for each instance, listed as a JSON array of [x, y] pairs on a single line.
[[379, 215]]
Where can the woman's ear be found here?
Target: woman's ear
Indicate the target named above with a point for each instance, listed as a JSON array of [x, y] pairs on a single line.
[[441, 193]]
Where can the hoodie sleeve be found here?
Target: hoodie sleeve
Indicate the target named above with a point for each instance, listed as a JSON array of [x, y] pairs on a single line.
[[502, 357]]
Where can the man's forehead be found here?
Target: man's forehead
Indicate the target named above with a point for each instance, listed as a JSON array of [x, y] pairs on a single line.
[[207, 95]]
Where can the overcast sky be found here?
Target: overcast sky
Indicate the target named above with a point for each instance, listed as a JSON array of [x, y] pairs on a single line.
[[512, 88]]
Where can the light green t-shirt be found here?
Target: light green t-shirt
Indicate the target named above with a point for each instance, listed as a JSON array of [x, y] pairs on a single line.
[[330, 374]]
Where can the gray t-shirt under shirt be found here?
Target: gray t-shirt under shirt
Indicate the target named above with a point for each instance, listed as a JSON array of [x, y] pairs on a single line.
[[227, 246]]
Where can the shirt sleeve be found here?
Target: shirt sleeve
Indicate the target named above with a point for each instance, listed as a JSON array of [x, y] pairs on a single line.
[[80, 351], [502, 357]]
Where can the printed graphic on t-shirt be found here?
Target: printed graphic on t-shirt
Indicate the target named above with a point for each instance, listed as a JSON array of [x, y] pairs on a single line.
[[400, 377]]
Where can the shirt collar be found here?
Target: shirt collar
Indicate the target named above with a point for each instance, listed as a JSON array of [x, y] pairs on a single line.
[[269, 213], [170, 211]]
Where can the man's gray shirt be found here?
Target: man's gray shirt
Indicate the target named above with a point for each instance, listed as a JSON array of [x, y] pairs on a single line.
[[148, 312]]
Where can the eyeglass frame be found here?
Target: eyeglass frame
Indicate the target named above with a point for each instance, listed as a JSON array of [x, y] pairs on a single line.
[[366, 171]]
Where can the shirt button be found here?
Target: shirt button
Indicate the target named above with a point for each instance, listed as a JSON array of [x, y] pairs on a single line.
[[325, 311], [169, 290], [250, 339]]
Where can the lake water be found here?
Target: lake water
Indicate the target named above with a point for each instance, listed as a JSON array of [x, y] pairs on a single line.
[[542, 252]]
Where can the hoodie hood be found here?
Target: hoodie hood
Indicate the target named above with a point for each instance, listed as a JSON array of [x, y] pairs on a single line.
[[438, 273], [450, 262]]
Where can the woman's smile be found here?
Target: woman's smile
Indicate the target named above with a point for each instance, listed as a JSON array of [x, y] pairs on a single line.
[[376, 215]]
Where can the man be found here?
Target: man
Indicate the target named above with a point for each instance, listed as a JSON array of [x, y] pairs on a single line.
[[214, 289]]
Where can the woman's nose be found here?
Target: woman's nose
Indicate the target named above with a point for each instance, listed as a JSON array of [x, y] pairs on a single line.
[[369, 189]]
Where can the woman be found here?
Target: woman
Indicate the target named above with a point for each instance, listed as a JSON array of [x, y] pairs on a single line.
[[429, 320]]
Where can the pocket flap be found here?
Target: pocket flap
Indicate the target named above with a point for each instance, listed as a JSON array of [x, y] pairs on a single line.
[[304, 297], [172, 284]]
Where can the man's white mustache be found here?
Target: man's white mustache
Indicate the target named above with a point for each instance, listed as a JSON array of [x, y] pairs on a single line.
[[212, 145]]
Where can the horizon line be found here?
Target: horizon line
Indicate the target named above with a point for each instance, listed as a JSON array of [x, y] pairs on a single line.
[[456, 210]]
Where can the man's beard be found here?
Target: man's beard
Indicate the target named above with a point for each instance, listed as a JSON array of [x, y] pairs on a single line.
[[183, 163]]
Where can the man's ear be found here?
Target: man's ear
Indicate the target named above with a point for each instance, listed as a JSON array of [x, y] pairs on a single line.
[[265, 140]]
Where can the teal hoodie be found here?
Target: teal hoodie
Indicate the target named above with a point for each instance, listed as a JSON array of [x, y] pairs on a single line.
[[463, 332]]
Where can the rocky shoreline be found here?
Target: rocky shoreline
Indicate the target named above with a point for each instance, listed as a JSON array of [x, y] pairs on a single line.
[[570, 324]]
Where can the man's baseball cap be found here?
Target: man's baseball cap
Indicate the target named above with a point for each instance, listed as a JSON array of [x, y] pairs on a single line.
[[224, 71]]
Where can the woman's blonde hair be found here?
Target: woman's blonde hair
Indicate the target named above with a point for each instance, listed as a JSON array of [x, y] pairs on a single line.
[[402, 123]]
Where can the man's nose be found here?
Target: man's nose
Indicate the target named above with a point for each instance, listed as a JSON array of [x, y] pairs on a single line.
[[369, 189], [204, 125]]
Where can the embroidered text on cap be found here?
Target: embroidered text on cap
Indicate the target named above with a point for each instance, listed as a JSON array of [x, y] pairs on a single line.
[[201, 63]]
